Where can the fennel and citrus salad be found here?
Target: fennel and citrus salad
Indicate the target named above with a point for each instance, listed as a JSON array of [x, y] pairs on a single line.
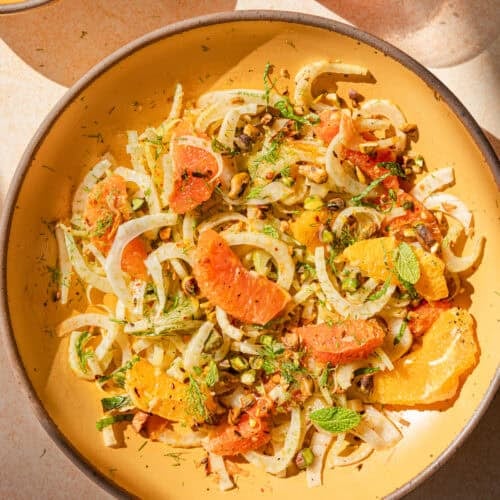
[[266, 275]]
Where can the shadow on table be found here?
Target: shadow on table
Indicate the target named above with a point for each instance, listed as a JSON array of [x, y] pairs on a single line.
[[64, 39], [438, 33], [469, 473]]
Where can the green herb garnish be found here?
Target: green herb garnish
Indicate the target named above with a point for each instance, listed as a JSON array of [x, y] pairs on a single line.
[[118, 375], [196, 400], [379, 293], [113, 419], [286, 109], [218, 147], [358, 200], [83, 356], [366, 371], [335, 419], [212, 376], [271, 231], [115, 402], [407, 265], [393, 167], [399, 336]]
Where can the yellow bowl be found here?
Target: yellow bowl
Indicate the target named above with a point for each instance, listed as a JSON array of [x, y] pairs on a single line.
[[129, 90]]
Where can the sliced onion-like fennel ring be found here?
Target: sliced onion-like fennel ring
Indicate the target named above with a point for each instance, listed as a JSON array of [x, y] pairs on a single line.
[[125, 234], [110, 335], [79, 265], [453, 262], [356, 456], [223, 111], [145, 183], [320, 442], [344, 215], [398, 349], [270, 193], [307, 74], [175, 110], [182, 440], [168, 178], [227, 130], [450, 205], [166, 251], [435, 180], [377, 430], [218, 466], [222, 218], [246, 348], [340, 304], [82, 191], [188, 227], [227, 328], [277, 249], [81, 320], [64, 264], [280, 461], [135, 151], [198, 142], [337, 174], [192, 354], [86, 372]]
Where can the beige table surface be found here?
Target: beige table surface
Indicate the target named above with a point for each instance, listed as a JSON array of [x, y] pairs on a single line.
[[44, 50]]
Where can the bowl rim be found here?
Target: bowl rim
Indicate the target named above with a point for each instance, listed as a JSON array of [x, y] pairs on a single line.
[[21, 5], [176, 28]]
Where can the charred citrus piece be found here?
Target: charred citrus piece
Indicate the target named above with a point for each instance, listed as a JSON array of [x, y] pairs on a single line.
[[431, 373], [328, 126], [422, 317], [342, 342], [225, 282]]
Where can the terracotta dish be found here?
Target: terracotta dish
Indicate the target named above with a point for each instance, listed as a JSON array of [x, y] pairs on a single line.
[[130, 90]]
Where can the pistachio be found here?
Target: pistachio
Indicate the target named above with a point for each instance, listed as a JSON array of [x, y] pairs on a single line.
[[266, 119], [213, 342], [355, 96], [409, 127], [313, 173], [189, 285], [238, 184], [251, 131], [336, 204], [244, 142]]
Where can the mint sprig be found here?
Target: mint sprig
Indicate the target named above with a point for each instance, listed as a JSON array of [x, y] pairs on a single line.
[[335, 419]]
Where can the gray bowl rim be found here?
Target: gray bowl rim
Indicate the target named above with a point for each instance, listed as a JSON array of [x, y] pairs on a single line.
[[167, 31], [10, 8]]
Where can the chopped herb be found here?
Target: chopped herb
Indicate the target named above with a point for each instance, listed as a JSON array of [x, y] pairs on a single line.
[[271, 231], [379, 293], [286, 109], [197, 370], [392, 195], [98, 137], [408, 205], [196, 400], [270, 155], [366, 371], [176, 457], [393, 167], [399, 336], [358, 200], [335, 419], [83, 356], [142, 446], [288, 369], [218, 147], [115, 402], [407, 265], [113, 419], [212, 376], [102, 225], [137, 203], [309, 269], [323, 378], [270, 353], [118, 375], [254, 193], [119, 321]]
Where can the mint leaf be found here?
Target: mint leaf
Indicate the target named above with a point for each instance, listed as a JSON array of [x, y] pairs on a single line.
[[335, 419], [399, 336], [366, 371], [407, 265], [393, 167], [378, 294], [212, 376]]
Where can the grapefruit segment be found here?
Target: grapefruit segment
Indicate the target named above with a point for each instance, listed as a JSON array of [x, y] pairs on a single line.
[[225, 282], [342, 342]]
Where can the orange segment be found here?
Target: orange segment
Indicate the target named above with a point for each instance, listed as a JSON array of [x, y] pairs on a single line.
[[328, 126], [374, 259], [431, 373], [194, 170], [134, 255], [306, 227], [225, 282], [342, 342], [154, 391]]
